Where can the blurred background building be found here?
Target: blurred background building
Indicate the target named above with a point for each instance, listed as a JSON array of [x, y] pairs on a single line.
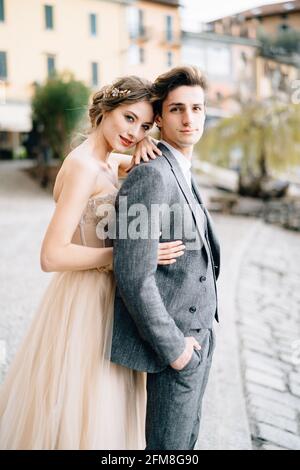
[[247, 56], [251, 55]]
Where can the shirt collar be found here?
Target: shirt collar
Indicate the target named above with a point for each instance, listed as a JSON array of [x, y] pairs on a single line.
[[184, 163]]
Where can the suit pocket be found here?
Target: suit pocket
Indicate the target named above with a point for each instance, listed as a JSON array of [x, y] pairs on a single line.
[[193, 363]]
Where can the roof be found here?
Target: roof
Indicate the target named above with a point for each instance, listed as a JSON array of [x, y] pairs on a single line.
[[223, 38], [171, 3], [266, 10]]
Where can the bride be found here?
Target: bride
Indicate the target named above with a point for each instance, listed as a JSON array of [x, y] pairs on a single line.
[[61, 391]]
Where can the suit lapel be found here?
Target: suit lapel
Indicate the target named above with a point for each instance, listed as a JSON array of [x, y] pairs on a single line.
[[183, 186], [210, 227], [196, 189]]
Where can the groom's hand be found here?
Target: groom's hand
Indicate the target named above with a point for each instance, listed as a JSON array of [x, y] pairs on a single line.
[[190, 344]]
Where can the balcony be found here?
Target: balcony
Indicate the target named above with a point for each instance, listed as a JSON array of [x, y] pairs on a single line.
[[140, 34], [171, 39]]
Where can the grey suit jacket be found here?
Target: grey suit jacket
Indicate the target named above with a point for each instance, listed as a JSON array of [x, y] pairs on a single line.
[[155, 305]]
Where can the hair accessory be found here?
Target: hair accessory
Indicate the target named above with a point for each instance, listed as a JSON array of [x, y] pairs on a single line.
[[114, 92]]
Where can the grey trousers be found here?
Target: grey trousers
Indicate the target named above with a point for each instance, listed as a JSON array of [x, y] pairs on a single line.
[[174, 399]]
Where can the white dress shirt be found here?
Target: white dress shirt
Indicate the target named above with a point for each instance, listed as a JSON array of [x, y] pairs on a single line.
[[184, 163], [185, 166]]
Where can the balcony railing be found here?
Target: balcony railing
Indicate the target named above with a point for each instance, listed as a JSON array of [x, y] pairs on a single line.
[[140, 34], [171, 38]]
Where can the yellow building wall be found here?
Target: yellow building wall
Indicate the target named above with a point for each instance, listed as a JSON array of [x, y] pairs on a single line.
[[155, 47], [27, 42]]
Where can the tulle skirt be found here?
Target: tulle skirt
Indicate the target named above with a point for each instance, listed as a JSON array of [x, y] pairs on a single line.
[[61, 391]]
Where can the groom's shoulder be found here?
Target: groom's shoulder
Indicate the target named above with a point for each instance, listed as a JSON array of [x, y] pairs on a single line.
[[159, 166]]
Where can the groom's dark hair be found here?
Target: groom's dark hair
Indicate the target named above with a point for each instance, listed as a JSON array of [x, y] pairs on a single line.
[[176, 77]]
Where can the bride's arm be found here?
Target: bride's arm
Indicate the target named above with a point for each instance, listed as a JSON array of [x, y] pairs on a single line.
[[58, 253]]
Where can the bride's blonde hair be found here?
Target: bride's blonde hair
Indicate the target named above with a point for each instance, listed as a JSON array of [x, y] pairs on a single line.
[[124, 90]]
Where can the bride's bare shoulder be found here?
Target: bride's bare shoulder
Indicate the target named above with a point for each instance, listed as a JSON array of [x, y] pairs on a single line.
[[77, 166], [78, 160]]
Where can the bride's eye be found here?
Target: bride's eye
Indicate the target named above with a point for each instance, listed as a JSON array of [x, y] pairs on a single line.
[[146, 128], [129, 118]]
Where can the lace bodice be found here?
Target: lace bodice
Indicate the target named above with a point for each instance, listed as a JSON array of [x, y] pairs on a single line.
[[97, 216]]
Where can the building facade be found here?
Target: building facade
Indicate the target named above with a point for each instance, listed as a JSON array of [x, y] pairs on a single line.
[[155, 37], [239, 64], [266, 19], [229, 64], [95, 40], [39, 38]]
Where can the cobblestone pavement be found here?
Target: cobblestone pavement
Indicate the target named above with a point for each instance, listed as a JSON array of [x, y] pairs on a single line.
[[268, 306], [25, 211]]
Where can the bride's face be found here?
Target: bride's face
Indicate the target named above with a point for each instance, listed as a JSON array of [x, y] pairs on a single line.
[[127, 125]]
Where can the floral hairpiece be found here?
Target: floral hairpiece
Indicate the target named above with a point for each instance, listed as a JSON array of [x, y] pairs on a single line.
[[114, 92]]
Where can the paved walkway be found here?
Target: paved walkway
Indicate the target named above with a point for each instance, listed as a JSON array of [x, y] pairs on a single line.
[[268, 302], [238, 402], [25, 211]]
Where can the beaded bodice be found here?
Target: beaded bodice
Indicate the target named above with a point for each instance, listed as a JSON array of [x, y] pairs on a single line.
[[98, 213]]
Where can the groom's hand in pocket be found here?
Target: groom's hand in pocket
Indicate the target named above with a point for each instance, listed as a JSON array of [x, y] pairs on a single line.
[[190, 344]]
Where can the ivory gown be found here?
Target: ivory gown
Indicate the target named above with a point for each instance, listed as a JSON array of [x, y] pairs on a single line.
[[61, 390]]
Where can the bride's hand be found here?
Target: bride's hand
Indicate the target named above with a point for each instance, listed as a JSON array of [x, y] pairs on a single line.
[[169, 251], [144, 150]]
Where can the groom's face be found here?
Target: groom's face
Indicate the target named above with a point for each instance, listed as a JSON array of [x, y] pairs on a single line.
[[183, 117]]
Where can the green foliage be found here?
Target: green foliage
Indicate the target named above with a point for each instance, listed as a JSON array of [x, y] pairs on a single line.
[[58, 106], [262, 137], [285, 42]]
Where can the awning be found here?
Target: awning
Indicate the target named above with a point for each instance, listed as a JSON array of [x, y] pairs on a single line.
[[15, 117]]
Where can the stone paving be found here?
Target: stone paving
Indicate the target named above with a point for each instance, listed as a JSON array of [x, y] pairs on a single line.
[[25, 211], [268, 306]]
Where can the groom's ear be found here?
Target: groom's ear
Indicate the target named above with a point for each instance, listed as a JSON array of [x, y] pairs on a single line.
[[158, 121]]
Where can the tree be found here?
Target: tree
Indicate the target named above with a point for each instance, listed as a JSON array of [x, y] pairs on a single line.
[[262, 139], [284, 43], [57, 107]]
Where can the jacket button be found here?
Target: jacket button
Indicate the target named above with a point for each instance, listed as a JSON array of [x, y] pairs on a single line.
[[202, 278], [193, 309]]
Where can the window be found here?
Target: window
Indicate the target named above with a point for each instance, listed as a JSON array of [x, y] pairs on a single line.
[[133, 54], [136, 54], [141, 23], [49, 17], [244, 57], [169, 28], [142, 55], [3, 65], [2, 12], [283, 27], [93, 24], [133, 18], [95, 74], [51, 69], [169, 59]]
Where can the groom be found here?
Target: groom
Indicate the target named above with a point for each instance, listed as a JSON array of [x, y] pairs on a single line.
[[163, 319]]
